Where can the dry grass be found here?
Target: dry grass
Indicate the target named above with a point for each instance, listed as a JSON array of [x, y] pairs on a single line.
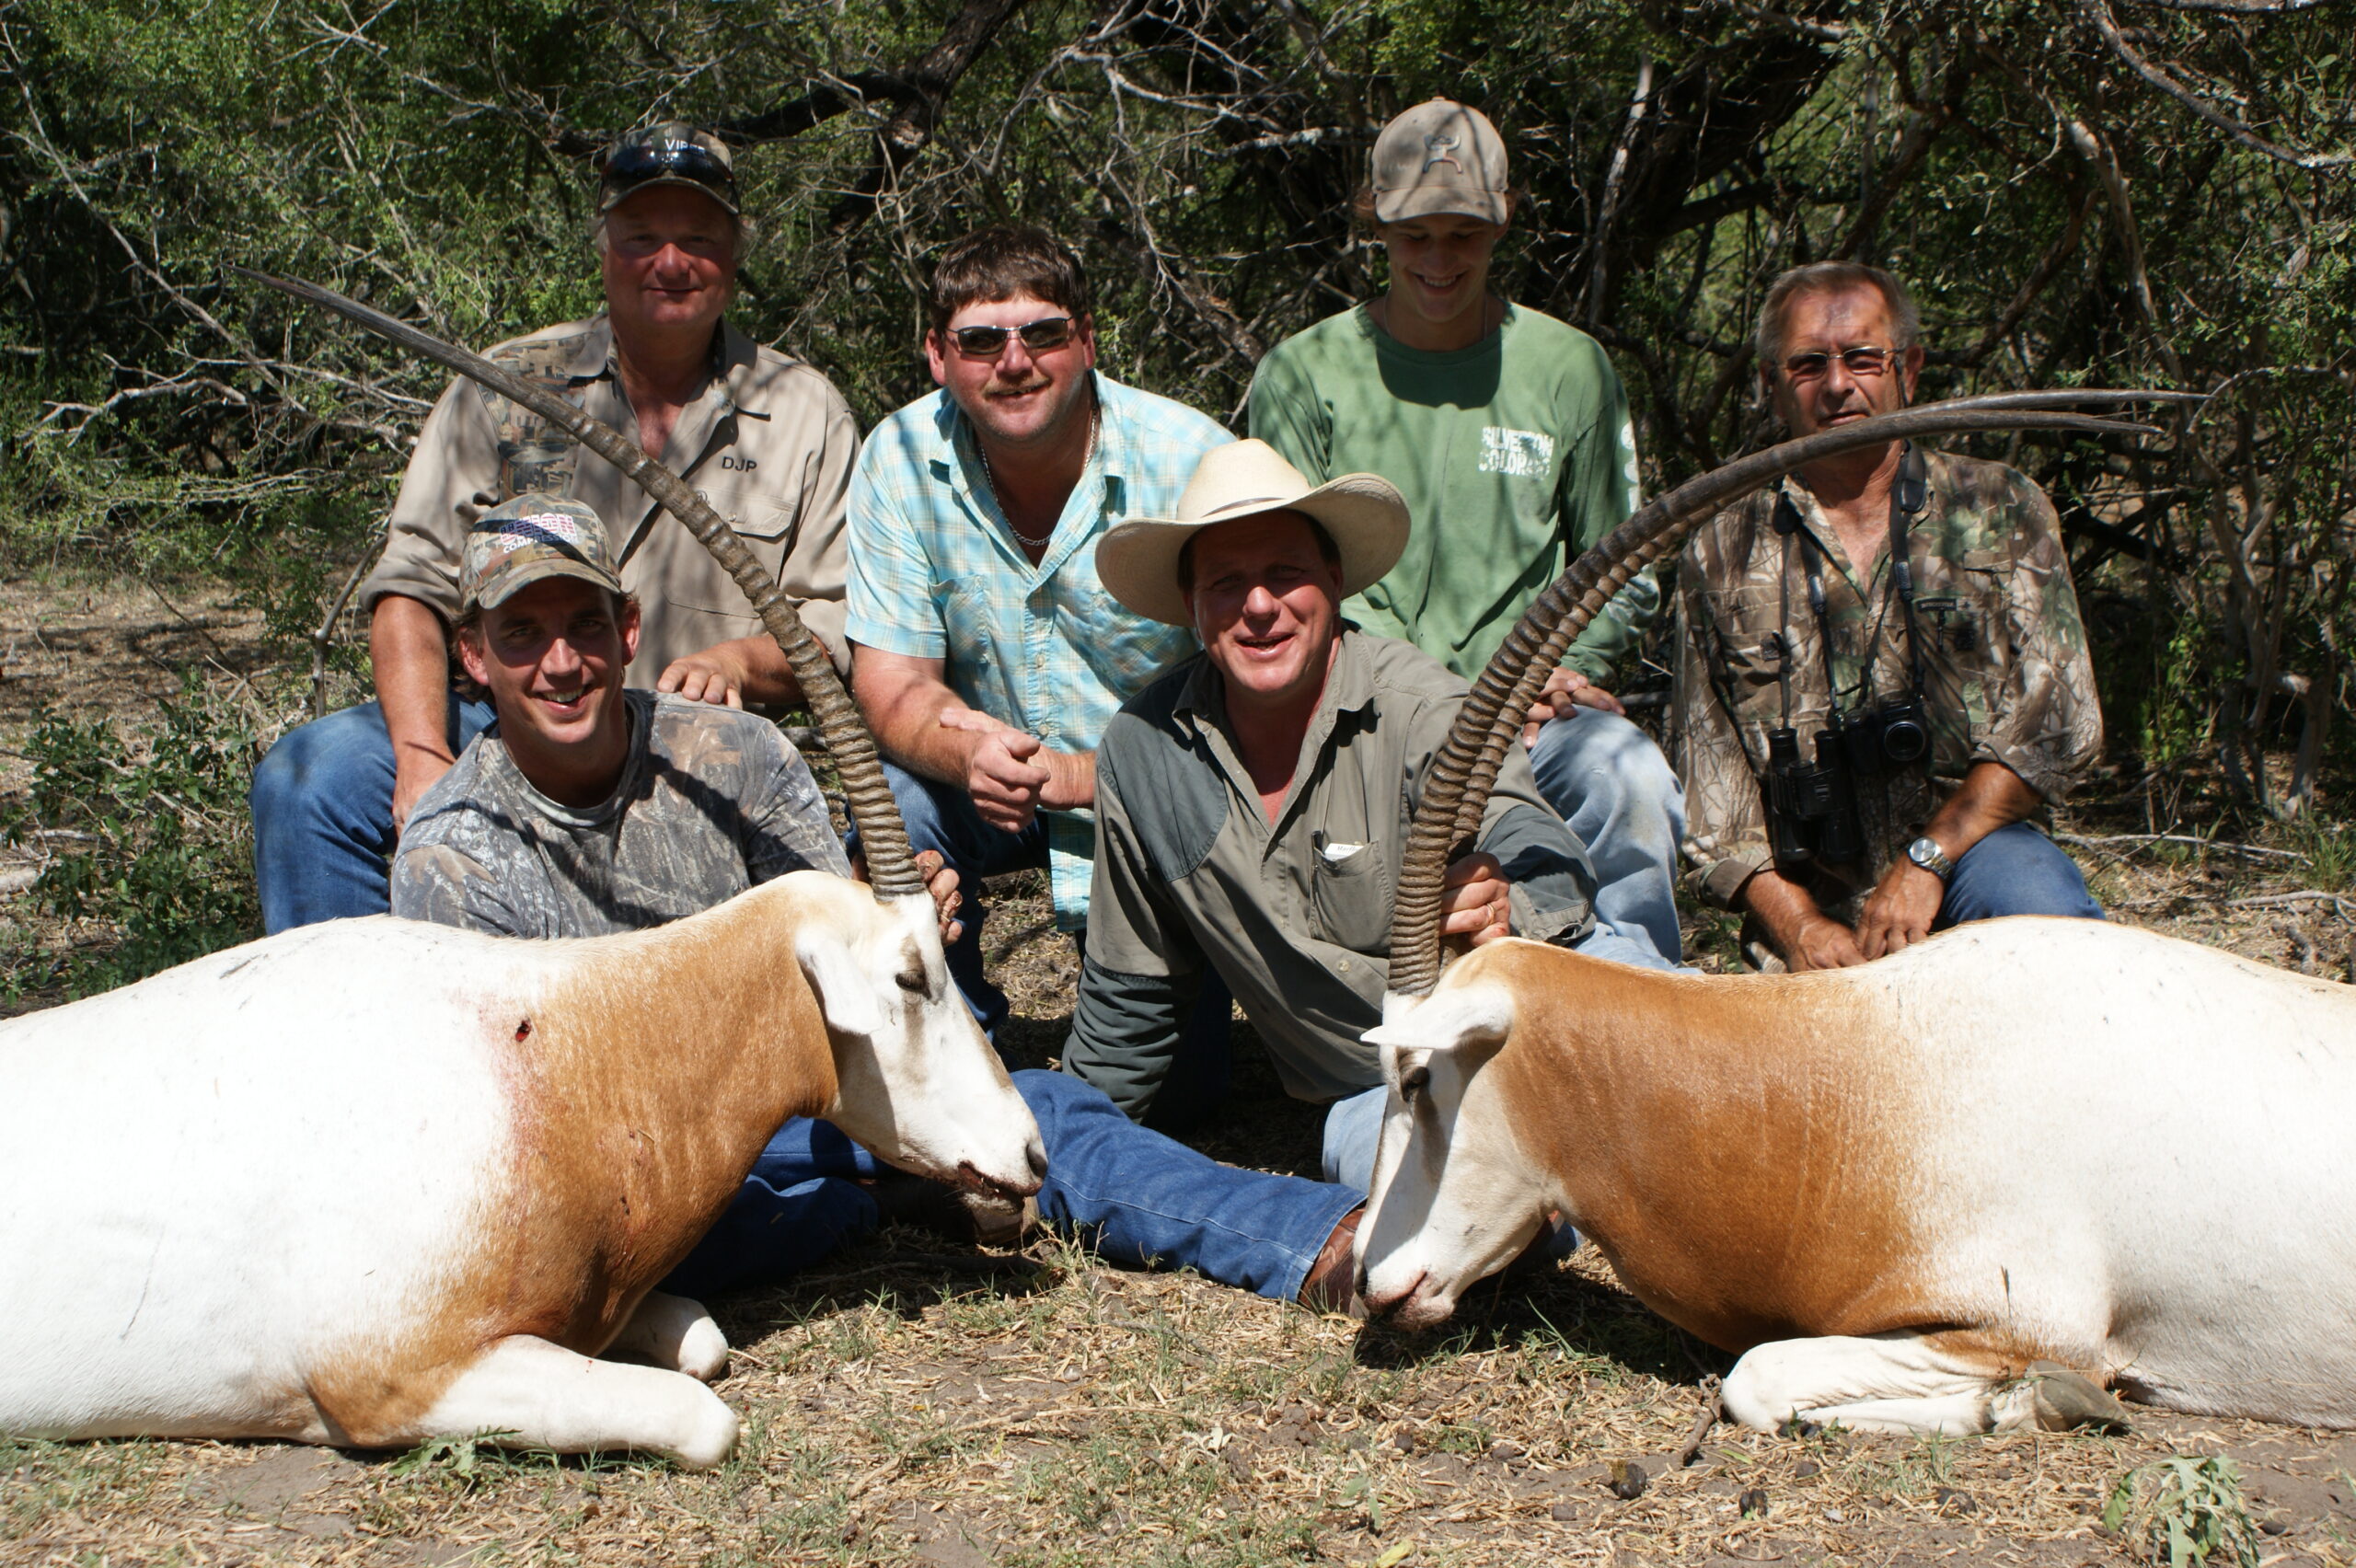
[[914, 1403]]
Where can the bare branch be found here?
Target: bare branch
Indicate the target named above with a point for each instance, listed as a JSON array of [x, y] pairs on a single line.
[[2098, 13]]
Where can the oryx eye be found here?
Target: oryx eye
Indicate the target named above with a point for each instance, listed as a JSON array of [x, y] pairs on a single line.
[[911, 981], [1414, 1080]]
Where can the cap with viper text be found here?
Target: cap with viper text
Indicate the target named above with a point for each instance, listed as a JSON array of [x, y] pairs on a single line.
[[672, 152], [1439, 157], [528, 540]]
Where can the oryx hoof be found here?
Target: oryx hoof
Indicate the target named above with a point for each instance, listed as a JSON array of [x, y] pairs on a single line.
[[2069, 1402]]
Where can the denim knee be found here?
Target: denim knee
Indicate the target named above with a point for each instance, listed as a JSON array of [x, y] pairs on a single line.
[[1590, 751], [2015, 871]]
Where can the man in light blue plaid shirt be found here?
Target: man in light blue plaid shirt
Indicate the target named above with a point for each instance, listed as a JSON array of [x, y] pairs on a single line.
[[988, 657]]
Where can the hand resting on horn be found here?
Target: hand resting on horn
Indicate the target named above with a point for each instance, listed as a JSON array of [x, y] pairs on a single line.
[[1476, 902], [1563, 690]]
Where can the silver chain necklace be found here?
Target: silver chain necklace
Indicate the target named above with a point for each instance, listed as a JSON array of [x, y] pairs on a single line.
[[1095, 421]]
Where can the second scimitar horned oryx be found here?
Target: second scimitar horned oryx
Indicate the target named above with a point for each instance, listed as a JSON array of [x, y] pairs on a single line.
[[375, 1182], [1967, 1187]]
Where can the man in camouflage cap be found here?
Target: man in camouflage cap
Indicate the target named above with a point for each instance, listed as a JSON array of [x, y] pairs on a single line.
[[1957, 692], [764, 438]]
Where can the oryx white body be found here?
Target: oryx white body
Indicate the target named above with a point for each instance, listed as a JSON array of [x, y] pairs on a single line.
[[375, 1181], [2025, 1140]]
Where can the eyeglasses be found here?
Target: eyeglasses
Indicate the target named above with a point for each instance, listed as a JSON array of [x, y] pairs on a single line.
[[988, 342], [1864, 359], [635, 163]]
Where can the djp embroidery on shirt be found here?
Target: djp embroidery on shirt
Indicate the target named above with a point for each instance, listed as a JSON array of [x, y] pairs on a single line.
[[1525, 453]]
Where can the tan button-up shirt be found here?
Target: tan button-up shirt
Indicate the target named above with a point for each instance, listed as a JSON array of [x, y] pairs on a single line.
[[767, 442]]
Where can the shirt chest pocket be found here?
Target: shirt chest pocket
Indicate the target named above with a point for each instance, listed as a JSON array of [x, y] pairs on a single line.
[[1749, 622], [1351, 885]]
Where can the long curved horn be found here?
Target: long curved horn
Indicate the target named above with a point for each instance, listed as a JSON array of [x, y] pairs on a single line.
[[1456, 792], [868, 797]]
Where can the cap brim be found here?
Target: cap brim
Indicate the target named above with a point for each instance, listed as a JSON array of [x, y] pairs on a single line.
[[1430, 201], [610, 198], [505, 585], [1138, 561]]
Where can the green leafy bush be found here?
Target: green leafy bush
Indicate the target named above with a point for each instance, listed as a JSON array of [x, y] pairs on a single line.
[[152, 846], [2183, 1511]]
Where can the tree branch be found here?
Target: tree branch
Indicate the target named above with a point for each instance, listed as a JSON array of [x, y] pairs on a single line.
[[2107, 25]]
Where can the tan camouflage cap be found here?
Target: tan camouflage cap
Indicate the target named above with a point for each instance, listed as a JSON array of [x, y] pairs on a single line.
[[528, 540], [1439, 157], [674, 153]]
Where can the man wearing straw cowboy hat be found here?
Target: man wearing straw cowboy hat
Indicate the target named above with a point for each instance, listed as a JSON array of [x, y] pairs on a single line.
[[1254, 804], [589, 809], [1508, 434]]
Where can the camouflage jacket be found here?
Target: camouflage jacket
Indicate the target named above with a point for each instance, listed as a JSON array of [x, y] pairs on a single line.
[[712, 801], [2006, 675]]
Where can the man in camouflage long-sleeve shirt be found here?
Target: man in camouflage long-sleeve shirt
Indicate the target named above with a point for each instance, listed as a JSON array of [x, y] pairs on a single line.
[[1790, 612]]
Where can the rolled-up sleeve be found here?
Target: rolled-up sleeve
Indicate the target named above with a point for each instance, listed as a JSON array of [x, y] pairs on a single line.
[[2045, 722], [1141, 970], [1725, 819]]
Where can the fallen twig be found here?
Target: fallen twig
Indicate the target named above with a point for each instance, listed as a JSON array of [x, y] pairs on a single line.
[[2103, 840], [1713, 1411]]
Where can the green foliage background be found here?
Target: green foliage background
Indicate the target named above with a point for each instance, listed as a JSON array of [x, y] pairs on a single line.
[[2124, 192]]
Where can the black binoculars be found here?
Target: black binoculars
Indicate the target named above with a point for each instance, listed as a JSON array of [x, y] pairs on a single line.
[[1812, 807]]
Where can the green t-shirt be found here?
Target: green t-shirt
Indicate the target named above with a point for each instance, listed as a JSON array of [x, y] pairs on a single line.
[[1507, 452]]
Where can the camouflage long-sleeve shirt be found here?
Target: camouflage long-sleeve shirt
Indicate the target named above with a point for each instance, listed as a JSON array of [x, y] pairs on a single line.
[[711, 802], [2006, 675]]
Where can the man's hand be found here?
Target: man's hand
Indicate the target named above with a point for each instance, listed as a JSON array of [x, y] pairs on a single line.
[[1821, 942], [1476, 901], [1563, 690], [939, 881], [1804, 935], [1899, 912], [715, 675], [415, 771], [1003, 772]]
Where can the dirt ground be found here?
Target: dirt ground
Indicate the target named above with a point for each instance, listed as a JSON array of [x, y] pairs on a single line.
[[920, 1402]]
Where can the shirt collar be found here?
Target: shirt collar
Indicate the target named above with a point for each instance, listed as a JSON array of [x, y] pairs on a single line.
[[735, 360]]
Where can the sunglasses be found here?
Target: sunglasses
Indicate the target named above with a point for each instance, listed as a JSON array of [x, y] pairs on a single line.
[[1860, 361], [988, 342], [643, 161]]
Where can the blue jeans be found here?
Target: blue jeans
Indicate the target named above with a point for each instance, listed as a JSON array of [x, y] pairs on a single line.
[[323, 814], [1606, 779], [2014, 870], [1136, 1197], [800, 1203], [941, 817]]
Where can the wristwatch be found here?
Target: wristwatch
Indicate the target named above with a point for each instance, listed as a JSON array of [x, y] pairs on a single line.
[[1925, 852]]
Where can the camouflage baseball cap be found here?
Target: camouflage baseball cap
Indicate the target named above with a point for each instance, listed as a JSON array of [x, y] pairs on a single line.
[[528, 539], [674, 153], [1439, 157]]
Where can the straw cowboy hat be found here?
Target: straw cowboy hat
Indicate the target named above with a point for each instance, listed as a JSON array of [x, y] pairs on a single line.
[[1138, 561]]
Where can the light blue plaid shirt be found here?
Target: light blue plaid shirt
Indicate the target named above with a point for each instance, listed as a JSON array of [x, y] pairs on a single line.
[[935, 573]]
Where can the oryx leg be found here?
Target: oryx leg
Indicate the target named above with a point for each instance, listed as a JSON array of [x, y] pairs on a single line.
[[675, 1333], [1905, 1383], [537, 1395]]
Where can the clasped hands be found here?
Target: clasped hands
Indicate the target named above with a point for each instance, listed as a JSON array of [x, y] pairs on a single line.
[[1010, 774]]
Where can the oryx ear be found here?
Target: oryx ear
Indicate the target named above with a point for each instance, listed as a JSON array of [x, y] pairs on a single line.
[[845, 993], [1464, 1016]]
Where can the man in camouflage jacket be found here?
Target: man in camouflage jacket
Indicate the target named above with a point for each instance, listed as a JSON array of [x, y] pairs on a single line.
[[764, 438], [1790, 612]]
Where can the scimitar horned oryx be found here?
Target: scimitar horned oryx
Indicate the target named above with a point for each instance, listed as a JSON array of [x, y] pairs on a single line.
[[1968, 1186], [374, 1182]]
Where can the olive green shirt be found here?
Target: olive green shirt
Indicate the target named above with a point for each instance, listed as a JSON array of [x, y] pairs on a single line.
[[2007, 677], [1514, 455], [769, 442], [1294, 915]]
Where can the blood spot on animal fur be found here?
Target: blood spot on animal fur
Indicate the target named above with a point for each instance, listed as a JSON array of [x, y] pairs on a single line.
[[523, 1032]]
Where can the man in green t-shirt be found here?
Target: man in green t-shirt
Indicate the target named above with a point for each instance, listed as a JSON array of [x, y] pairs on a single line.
[[1507, 431]]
